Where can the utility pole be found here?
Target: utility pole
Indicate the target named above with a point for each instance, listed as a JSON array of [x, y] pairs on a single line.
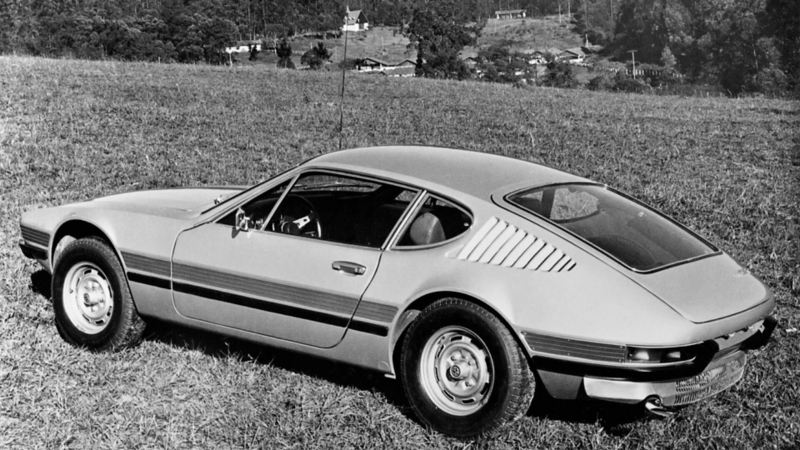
[[633, 60], [586, 13], [559, 13]]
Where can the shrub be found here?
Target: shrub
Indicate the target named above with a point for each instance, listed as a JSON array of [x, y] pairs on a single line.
[[624, 83], [602, 82], [560, 74]]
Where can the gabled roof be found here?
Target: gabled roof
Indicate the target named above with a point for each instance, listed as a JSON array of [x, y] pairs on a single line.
[[353, 16], [376, 61], [388, 64], [510, 11], [575, 51]]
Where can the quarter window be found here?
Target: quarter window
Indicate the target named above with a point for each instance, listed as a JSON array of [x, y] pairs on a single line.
[[437, 220]]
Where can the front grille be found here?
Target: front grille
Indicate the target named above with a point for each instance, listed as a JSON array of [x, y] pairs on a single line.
[[575, 348], [35, 236]]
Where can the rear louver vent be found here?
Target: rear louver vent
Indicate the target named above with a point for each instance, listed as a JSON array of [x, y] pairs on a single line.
[[502, 244]]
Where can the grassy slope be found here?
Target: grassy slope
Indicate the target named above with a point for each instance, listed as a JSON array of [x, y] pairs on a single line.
[[539, 33], [72, 130]]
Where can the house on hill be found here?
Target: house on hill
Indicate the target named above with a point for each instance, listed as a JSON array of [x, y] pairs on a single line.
[[572, 55], [509, 14], [355, 20], [405, 68], [243, 46]]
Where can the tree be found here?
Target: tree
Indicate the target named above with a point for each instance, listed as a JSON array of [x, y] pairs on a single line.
[[316, 56], [667, 58], [284, 52], [498, 64], [559, 74], [736, 45], [782, 21], [439, 34]]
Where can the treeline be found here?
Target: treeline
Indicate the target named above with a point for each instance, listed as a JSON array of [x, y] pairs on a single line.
[[741, 45], [194, 30]]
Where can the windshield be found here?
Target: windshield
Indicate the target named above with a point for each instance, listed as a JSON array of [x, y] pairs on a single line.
[[634, 234]]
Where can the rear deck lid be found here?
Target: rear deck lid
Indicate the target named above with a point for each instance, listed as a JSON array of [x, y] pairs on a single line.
[[707, 289]]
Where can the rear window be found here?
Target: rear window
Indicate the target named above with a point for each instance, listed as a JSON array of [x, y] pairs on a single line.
[[634, 234]]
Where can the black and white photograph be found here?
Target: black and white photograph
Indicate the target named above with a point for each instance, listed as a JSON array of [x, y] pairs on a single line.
[[472, 224]]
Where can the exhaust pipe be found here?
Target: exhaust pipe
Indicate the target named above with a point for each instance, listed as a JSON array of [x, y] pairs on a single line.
[[654, 406]]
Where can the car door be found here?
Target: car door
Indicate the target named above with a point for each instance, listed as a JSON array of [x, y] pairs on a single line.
[[291, 263]]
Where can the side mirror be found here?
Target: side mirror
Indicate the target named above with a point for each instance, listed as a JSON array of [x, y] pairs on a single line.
[[243, 222]]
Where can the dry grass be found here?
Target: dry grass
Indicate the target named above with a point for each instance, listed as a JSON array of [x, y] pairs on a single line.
[[539, 33], [72, 130]]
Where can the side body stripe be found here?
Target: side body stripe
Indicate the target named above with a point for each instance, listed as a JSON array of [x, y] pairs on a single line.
[[304, 303]]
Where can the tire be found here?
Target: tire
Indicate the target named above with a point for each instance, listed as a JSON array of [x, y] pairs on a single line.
[[462, 371], [92, 301]]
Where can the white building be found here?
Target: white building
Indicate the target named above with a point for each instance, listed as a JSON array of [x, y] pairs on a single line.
[[355, 21]]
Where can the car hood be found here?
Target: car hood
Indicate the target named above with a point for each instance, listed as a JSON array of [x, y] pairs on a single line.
[[181, 202], [708, 289]]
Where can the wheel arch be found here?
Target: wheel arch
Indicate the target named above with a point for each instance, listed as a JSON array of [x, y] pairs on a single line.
[[78, 229], [413, 309]]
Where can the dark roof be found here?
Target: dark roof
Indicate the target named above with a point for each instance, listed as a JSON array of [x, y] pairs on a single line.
[[353, 16]]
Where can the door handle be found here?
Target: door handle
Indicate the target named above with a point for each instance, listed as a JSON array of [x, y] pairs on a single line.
[[348, 267]]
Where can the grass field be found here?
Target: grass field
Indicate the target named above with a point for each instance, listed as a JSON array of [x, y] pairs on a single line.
[[73, 130]]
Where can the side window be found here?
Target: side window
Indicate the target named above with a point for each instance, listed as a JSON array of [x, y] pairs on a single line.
[[437, 220], [341, 209], [259, 208]]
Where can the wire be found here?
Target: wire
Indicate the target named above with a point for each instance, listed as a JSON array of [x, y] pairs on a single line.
[[341, 100]]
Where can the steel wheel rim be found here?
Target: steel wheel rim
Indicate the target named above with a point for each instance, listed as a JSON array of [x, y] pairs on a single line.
[[457, 371], [88, 298]]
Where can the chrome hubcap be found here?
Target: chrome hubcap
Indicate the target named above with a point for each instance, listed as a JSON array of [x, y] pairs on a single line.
[[88, 298], [457, 371]]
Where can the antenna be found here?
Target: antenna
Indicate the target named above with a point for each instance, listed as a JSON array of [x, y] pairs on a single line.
[[341, 100]]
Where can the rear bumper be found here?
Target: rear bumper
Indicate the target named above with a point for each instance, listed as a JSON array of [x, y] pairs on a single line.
[[720, 366], [718, 376]]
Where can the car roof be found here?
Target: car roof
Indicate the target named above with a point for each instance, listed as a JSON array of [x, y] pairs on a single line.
[[475, 173]]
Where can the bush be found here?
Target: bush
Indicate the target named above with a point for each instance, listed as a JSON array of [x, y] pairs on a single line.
[[770, 81], [560, 74], [624, 83], [602, 82]]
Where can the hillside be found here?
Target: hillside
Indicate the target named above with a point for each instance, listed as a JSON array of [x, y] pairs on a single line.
[[385, 43], [529, 34], [389, 44], [72, 130]]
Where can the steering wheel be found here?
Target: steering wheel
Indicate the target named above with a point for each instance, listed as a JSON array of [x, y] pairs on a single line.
[[296, 216]]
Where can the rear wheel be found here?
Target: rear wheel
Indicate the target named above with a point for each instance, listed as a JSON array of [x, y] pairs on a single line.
[[93, 304], [462, 370]]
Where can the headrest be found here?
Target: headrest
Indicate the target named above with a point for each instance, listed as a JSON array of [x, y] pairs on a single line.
[[426, 229]]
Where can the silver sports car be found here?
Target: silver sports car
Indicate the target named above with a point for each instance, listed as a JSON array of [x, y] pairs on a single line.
[[475, 279]]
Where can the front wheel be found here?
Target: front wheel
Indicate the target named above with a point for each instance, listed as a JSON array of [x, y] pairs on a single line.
[[92, 301], [462, 370]]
